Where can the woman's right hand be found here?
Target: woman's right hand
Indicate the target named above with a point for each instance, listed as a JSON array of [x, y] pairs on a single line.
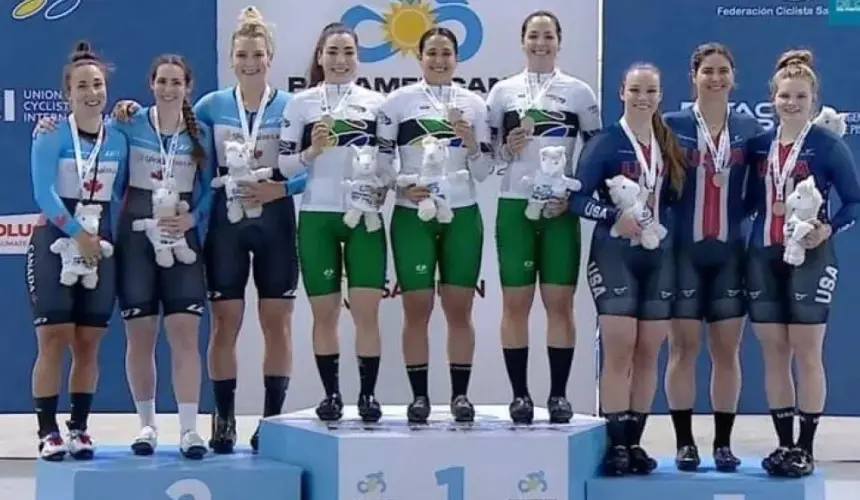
[[89, 248], [416, 194], [319, 139], [123, 110], [628, 227], [517, 140], [46, 124]]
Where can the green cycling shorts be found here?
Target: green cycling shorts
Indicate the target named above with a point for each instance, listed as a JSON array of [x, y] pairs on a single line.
[[418, 247], [544, 248], [322, 258]]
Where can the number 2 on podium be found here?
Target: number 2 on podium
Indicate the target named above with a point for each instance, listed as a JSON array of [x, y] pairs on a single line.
[[454, 478]]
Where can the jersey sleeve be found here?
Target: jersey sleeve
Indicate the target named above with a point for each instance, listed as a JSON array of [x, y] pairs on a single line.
[[203, 110], [44, 164], [589, 113], [495, 118], [205, 173], [591, 171], [481, 164], [843, 173], [387, 123], [290, 161]]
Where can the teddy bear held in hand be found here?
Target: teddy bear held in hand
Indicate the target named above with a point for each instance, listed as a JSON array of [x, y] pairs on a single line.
[[549, 182], [74, 267], [435, 177], [362, 190], [627, 197], [168, 247], [238, 157]]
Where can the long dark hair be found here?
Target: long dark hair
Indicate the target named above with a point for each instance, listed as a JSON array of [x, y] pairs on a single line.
[[197, 151], [315, 72]]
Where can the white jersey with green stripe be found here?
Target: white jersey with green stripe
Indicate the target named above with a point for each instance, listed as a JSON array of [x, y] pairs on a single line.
[[354, 110], [411, 113], [565, 110]]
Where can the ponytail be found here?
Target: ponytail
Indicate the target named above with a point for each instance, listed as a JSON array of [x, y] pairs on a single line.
[[197, 151], [673, 157]]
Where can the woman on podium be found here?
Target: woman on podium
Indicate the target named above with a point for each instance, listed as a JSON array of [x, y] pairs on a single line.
[[631, 268]]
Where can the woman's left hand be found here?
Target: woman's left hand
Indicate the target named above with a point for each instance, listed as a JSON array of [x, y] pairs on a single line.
[[260, 193], [555, 207], [178, 224], [816, 237], [465, 131]]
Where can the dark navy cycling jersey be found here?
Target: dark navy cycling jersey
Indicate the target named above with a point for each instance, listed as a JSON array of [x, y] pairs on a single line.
[[57, 189], [144, 287], [825, 157], [271, 238], [607, 155], [706, 209]]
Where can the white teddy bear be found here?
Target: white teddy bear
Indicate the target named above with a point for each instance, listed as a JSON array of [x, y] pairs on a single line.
[[166, 203], [435, 177], [74, 267], [626, 194], [549, 182], [802, 207], [362, 188], [831, 120], [238, 159]]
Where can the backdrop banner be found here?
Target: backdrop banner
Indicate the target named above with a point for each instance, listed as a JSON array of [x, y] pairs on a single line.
[[489, 49], [129, 35], [757, 32]]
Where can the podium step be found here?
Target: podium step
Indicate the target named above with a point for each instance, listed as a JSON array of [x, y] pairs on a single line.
[[750, 482], [443, 460], [116, 474]]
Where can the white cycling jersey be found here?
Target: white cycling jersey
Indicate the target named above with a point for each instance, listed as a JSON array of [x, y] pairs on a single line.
[[411, 113], [354, 110], [561, 109]]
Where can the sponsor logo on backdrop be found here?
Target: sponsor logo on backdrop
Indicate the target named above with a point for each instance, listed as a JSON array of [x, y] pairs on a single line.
[[392, 289], [49, 9], [783, 8], [762, 111], [30, 105], [15, 231], [400, 24]]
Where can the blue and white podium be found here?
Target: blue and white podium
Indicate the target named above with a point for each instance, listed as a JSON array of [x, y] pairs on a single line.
[[116, 474], [443, 460], [750, 482]]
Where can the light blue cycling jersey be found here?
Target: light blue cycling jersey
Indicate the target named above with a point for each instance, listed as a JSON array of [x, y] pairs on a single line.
[[57, 185], [219, 110], [146, 167]]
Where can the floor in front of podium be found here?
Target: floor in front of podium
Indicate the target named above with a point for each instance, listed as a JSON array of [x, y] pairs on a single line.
[[837, 445]]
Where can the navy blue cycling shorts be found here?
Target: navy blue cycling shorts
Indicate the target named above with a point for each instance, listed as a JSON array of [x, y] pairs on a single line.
[[710, 281], [270, 239], [54, 303], [781, 293], [631, 281]]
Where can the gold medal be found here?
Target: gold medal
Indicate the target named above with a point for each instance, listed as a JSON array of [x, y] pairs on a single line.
[[454, 115], [779, 208], [718, 180], [528, 124]]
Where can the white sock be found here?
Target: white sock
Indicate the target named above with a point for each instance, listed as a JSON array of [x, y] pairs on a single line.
[[187, 417], [146, 412]]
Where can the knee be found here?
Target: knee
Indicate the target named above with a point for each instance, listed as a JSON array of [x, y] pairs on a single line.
[[684, 343], [417, 308], [85, 349], [458, 313], [54, 340], [182, 342], [559, 309], [516, 304], [618, 356], [275, 323], [225, 326], [326, 315], [724, 348], [777, 353]]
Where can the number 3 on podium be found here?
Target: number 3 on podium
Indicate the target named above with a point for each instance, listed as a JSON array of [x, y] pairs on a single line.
[[454, 478]]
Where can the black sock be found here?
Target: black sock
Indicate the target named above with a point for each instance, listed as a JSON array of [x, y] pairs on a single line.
[[723, 423], [616, 428], [418, 379], [329, 369], [368, 372], [460, 374], [783, 422], [46, 414], [560, 361], [276, 393], [808, 426], [517, 365], [225, 397], [80, 404], [682, 421], [635, 427]]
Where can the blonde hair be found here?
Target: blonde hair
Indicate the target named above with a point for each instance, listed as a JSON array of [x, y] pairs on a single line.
[[251, 25], [794, 64]]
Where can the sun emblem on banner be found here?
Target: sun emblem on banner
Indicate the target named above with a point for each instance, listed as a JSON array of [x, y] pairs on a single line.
[[404, 23]]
